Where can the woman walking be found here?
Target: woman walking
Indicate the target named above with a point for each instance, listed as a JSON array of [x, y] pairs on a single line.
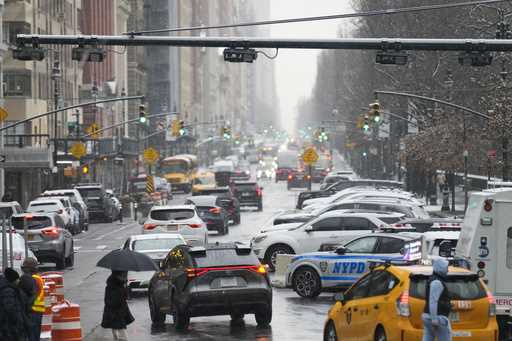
[[116, 314]]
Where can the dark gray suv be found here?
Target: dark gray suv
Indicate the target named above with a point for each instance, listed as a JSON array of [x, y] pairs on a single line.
[[47, 237]]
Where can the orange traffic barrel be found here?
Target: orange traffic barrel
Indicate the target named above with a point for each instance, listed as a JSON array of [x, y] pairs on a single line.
[[66, 322], [46, 324], [58, 279]]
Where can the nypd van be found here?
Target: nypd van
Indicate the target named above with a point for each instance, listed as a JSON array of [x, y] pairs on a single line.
[[485, 245]]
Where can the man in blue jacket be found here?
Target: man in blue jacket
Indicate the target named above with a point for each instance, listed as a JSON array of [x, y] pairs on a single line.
[[435, 317]]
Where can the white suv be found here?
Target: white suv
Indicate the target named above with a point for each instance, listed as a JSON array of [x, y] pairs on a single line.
[[51, 205], [182, 219], [329, 228]]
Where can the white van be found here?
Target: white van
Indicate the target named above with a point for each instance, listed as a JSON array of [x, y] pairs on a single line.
[[486, 244]]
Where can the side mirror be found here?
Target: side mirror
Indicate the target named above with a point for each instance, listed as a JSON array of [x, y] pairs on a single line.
[[308, 228], [341, 250], [339, 297]]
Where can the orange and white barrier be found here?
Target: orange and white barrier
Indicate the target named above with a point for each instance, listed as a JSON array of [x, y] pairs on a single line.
[[66, 322], [46, 325], [58, 279]]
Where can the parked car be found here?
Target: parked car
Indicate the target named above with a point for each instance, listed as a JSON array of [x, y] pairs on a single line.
[[99, 206], [47, 237], [18, 250], [74, 214], [220, 279], [211, 212], [156, 246], [52, 205], [182, 219], [76, 200], [301, 217], [7, 209], [331, 227], [249, 194]]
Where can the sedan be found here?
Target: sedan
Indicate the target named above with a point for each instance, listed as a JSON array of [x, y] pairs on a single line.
[[182, 219], [156, 246]]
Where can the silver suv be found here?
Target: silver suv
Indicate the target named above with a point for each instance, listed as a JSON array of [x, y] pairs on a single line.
[[47, 237]]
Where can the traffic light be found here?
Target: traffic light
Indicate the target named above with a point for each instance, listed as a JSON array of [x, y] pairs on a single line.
[[366, 124], [364, 154], [182, 129], [226, 133], [142, 114], [375, 112], [85, 169], [323, 135]]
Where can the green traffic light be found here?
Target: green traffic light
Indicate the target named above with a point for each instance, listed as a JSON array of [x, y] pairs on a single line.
[[142, 119], [364, 154], [376, 119]]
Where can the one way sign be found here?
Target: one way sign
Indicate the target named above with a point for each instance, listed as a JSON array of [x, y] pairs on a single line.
[[2, 158]]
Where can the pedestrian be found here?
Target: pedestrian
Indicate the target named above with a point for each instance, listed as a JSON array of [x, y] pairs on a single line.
[[32, 287], [436, 324], [116, 314], [441, 180], [14, 324]]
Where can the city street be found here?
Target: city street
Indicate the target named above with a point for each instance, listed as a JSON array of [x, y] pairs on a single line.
[[85, 285]]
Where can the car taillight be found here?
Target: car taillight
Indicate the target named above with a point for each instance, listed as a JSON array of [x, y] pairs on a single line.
[[488, 205], [52, 232], [492, 304], [215, 210], [260, 269], [402, 305], [194, 226], [149, 226], [308, 177], [290, 177], [197, 272], [258, 192]]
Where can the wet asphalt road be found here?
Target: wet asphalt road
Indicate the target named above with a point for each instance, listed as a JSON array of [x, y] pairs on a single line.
[[294, 318]]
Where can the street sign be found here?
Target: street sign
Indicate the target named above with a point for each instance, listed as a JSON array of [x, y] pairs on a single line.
[[151, 155], [2, 158], [92, 130], [3, 114], [491, 154], [78, 150], [150, 184], [310, 156]]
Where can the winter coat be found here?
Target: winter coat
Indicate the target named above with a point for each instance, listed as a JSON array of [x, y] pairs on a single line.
[[14, 323], [28, 290], [116, 314]]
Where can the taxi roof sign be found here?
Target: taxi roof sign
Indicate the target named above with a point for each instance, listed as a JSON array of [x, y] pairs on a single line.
[[310, 156]]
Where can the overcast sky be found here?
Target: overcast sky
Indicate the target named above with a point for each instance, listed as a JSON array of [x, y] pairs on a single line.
[[296, 69]]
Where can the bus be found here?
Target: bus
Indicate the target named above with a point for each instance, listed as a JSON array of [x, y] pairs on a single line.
[[179, 171]]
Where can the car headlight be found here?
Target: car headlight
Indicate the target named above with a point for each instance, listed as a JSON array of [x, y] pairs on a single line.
[[259, 239]]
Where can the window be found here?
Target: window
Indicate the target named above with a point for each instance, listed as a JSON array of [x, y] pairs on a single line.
[[360, 289], [172, 214], [362, 245], [328, 224], [36, 223], [17, 83], [354, 223], [390, 245], [176, 258], [509, 248], [13, 28], [467, 287], [382, 283], [6, 212], [156, 244]]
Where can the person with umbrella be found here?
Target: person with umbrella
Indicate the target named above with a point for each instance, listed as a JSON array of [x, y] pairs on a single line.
[[116, 314]]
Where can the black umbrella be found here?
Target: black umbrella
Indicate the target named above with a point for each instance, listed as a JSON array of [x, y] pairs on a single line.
[[127, 260]]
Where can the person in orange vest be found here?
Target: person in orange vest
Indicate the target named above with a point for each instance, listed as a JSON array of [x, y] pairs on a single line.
[[32, 285]]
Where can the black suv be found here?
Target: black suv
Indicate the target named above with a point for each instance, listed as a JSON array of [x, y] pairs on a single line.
[[211, 212], [227, 200], [248, 194], [221, 279], [99, 205]]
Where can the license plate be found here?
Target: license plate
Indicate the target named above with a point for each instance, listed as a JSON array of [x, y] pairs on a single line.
[[462, 305], [246, 194], [228, 282], [461, 333], [172, 227], [454, 316]]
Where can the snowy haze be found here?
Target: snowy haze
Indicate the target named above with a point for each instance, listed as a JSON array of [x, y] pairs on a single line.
[[296, 69]]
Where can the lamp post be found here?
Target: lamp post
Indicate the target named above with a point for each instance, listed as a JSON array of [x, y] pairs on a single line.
[[125, 113]]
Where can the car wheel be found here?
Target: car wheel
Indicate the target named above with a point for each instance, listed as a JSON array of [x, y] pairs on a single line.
[[180, 318], [60, 262], [273, 251], [330, 332], [263, 317], [306, 282], [157, 317], [380, 334]]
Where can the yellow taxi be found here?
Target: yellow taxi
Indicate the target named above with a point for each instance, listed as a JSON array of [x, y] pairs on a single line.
[[203, 181], [387, 304]]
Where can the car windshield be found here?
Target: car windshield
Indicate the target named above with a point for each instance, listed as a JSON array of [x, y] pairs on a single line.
[[205, 180], [287, 160], [174, 168], [156, 244], [248, 187], [35, 223], [225, 257], [459, 287], [5, 212], [43, 207], [176, 214]]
